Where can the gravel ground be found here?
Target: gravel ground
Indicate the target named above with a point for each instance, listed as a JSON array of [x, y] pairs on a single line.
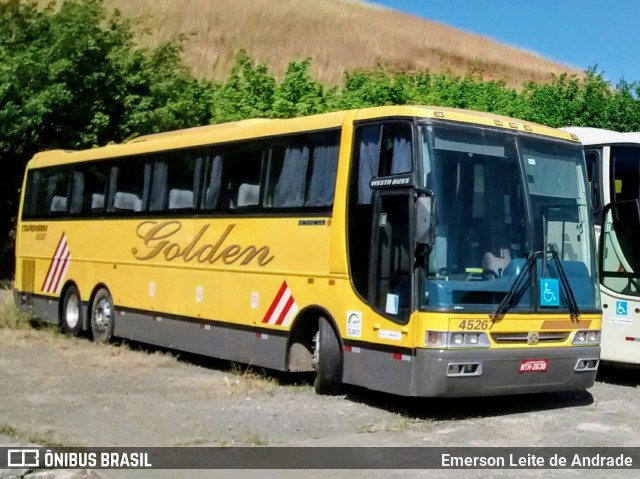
[[56, 390]]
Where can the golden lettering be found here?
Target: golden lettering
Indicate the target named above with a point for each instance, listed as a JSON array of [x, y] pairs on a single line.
[[156, 237], [212, 257], [193, 243], [229, 253], [252, 252]]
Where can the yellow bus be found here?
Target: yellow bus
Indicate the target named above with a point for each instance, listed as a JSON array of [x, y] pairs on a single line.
[[415, 250]]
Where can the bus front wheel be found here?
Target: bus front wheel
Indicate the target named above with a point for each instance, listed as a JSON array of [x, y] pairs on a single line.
[[102, 316], [71, 312], [327, 359]]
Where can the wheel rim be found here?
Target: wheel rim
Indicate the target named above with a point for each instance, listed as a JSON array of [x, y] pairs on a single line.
[[102, 315], [72, 313]]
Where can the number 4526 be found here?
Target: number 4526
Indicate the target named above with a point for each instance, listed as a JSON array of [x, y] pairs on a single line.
[[474, 324]]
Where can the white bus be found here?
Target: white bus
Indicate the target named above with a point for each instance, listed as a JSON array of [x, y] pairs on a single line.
[[613, 166]]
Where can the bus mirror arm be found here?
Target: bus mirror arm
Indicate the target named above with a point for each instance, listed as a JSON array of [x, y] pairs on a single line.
[[425, 219]]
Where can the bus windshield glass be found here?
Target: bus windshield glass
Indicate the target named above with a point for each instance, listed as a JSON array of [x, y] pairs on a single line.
[[483, 236]]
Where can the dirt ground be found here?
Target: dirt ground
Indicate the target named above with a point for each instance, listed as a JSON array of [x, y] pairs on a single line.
[[56, 390]]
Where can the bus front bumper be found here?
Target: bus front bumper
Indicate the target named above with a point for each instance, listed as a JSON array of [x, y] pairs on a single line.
[[492, 372]]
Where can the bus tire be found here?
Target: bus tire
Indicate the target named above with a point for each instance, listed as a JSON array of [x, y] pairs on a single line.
[[71, 312], [102, 316], [327, 359]]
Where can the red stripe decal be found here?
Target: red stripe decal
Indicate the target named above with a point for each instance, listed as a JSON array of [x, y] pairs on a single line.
[[285, 310], [63, 264], [283, 288], [58, 269], [55, 253]]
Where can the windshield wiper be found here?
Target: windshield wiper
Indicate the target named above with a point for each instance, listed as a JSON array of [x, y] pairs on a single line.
[[574, 311], [516, 287]]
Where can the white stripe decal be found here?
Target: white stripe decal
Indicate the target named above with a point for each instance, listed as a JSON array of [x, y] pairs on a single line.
[[54, 263], [58, 267], [67, 263], [283, 308], [290, 315], [281, 304]]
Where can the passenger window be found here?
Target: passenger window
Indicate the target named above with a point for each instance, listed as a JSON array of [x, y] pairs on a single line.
[[89, 189], [324, 168], [302, 171], [212, 181], [242, 171], [175, 182], [288, 175], [130, 185], [51, 188]]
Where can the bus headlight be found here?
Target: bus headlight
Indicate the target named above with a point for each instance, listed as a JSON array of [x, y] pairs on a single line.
[[435, 338], [586, 337], [472, 338], [593, 337], [456, 339]]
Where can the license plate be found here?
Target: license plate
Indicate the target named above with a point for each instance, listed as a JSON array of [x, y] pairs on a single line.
[[534, 366]]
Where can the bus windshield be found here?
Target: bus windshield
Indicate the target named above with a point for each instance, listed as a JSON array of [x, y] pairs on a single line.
[[483, 235]]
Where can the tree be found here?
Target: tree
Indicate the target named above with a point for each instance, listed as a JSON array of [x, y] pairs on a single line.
[[72, 77]]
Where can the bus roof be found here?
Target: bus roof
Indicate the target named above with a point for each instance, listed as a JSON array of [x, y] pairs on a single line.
[[599, 136], [259, 127]]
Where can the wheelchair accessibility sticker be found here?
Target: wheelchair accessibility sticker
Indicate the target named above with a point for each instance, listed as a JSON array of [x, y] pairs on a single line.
[[621, 308], [549, 292]]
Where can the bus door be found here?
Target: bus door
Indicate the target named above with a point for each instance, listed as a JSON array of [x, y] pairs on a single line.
[[391, 277], [620, 277]]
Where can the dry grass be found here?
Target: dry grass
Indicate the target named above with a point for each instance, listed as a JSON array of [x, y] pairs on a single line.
[[245, 381], [339, 36], [118, 358], [10, 316]]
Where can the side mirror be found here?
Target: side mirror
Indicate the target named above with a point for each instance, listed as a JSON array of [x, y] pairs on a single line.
[[425, 220]]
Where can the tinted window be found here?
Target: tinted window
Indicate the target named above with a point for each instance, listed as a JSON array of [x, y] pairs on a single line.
[[383, 150], [241, 170], [626, 172], [212, 181], [176, 179], [130, 185], [302, 171], [89, 188], [49, 195]]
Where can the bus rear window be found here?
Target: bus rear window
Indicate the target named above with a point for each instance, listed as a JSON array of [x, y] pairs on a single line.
[[47, 192]]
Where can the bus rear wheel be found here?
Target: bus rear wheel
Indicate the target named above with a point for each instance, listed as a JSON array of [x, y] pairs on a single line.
[[327, 360], [71, 312], [102, 316]]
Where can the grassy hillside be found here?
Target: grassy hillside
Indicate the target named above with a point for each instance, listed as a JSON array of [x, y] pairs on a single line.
[[338, 35]]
